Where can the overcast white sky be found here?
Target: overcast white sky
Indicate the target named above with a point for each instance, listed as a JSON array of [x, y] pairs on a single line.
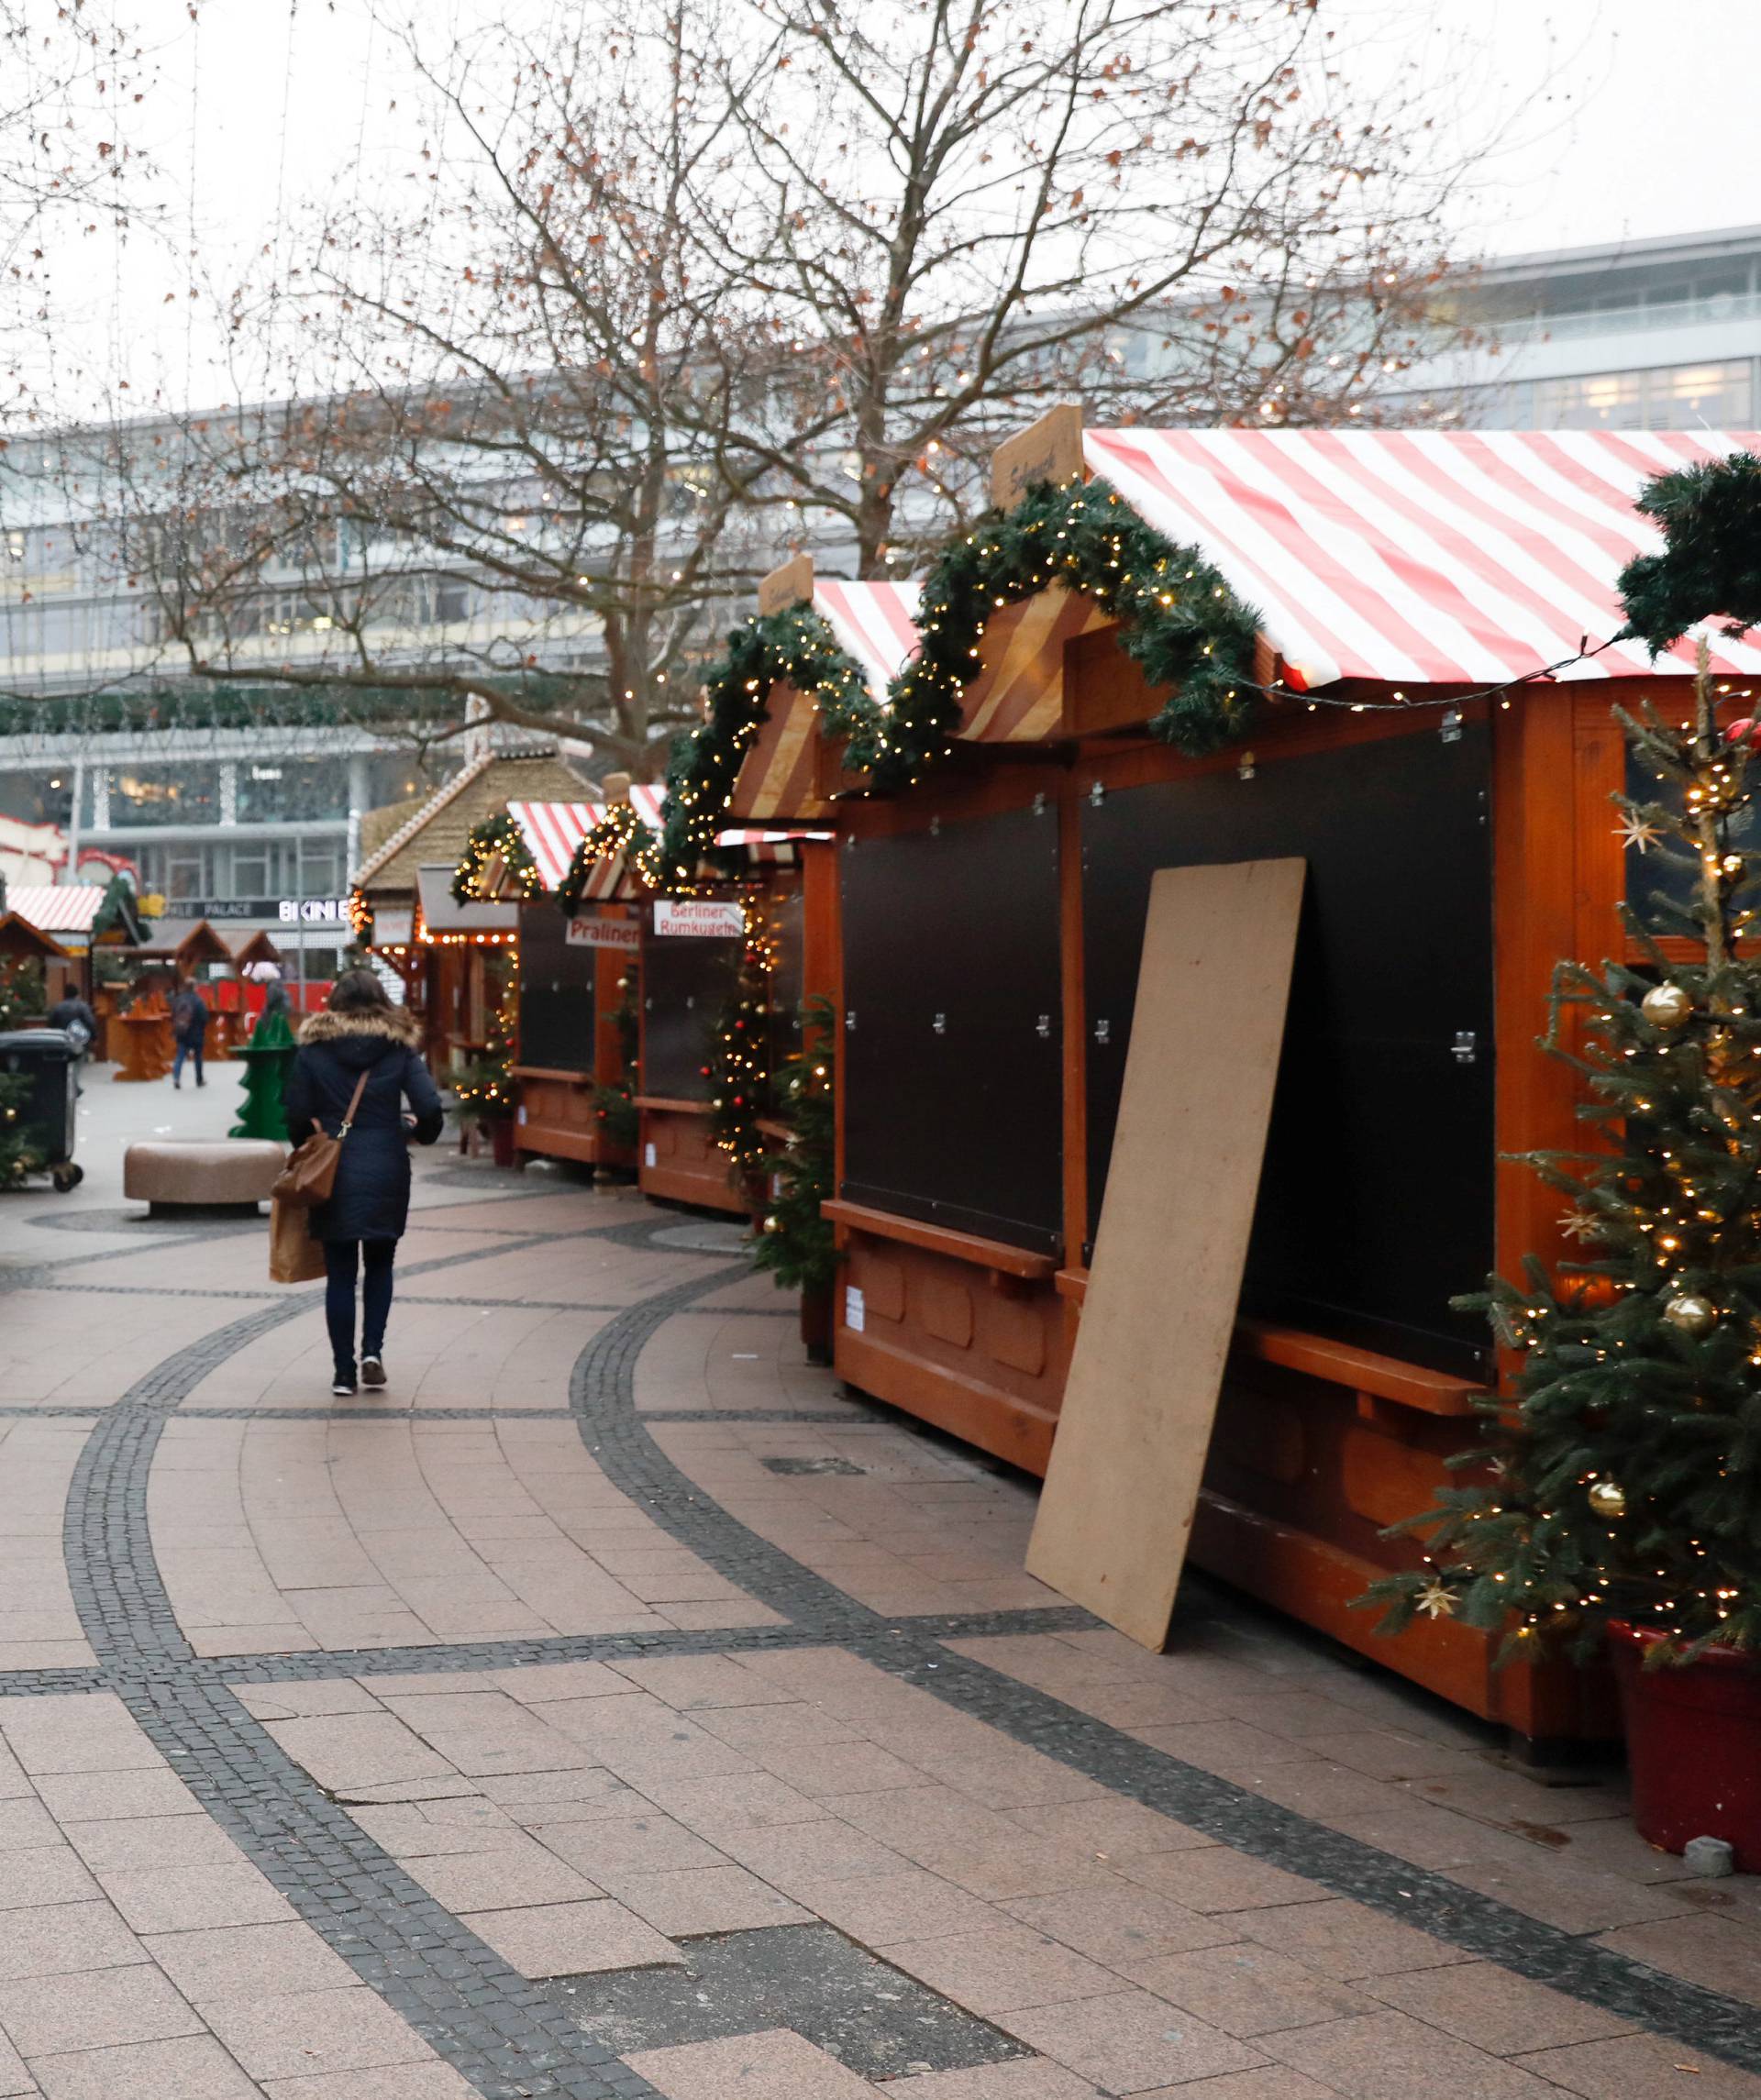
[[1620, 129]]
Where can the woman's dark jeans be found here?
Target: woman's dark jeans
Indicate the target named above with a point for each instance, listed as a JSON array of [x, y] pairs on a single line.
[[376, 1259]]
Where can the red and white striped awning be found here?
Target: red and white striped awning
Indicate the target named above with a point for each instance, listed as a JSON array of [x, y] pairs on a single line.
[[1422, 556], [56, 907], [553, 831], [770, 848], [875, 623]]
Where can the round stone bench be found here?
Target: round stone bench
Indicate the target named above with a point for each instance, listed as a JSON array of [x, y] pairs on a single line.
[[233, 1174]]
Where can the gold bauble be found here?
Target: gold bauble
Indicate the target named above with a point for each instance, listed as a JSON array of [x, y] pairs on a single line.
[[771, 1225], [1691, 1315], [1608, 1497], [1667, 1006]]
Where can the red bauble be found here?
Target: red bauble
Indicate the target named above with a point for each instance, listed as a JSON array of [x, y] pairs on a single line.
[[1747, 731]]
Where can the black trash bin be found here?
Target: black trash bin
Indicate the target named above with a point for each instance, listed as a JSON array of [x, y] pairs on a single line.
[[50, 1060]]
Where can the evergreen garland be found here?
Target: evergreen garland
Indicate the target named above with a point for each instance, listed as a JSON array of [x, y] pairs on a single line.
[[1177, 619], [615, 1108], [1711, 566], [620, 830], [18, 1156], [497, 836], [796, 645], [795, 1242]]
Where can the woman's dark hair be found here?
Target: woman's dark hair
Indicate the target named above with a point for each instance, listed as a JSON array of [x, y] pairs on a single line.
[[358, 991]]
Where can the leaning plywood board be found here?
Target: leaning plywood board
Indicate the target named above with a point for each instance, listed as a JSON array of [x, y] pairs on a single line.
[[1124, 1480]]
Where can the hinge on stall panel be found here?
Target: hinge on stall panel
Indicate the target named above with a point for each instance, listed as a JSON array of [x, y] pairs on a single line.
[[850, 1021], [941, 1024], [850, 843], [1467, 1046], [935, 827], [1102, 1031], [1042, 1027], [1039, 805], [1097, 794], [1449, 728], [1244, 766]]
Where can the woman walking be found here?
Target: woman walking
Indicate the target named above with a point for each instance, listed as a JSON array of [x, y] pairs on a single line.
[[362, 1032]]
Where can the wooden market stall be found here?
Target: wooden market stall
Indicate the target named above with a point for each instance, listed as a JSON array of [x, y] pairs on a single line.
[[445, 975], [577, 982], [1458, 840], [764, 892]]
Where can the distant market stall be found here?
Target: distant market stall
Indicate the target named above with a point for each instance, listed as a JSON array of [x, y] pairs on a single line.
[[1388, 656]]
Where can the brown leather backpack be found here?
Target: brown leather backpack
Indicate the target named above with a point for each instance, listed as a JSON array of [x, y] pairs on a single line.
[[310, 1174]]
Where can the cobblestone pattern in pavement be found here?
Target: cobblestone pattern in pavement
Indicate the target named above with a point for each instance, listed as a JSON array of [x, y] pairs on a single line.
[[423, 1868]]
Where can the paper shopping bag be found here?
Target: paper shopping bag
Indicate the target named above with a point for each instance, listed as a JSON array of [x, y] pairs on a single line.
[[295, 1256]]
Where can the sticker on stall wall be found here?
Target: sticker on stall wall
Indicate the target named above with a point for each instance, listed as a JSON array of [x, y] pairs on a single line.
[[648, 1155], [854, 1309], [521, 1116]]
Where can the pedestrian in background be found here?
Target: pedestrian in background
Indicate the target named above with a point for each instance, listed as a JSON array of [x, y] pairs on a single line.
[[190, 1030], [361, 1031]]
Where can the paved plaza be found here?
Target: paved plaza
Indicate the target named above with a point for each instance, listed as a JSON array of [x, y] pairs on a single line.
[[616, 1705]]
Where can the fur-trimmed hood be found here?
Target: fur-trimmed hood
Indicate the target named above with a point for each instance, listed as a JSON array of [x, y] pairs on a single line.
[[394, 1025]]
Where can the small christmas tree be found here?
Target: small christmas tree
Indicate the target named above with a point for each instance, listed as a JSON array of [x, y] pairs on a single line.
[[1625, 1481], [267, 1057], [18, 1156], [739, 1054], [795, 1241], [615, 1108], [486, 1088]]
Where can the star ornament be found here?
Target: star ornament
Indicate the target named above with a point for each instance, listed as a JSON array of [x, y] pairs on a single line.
[[1437, 1600], [1637, 831], [1575, 1225]]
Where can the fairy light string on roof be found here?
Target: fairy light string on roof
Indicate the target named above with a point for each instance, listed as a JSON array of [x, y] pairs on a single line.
[[495, 838]]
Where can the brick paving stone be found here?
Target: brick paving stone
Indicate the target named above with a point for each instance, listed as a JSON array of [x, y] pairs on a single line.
[[288, 2033], [387, 2081], [1131, 2043], [734, 1801], [227, 1960], [25, 1825], [1001, 1969], [195, 2068], [1507, 2014], [1218, 1878], [570, 1939], [189, 1900], [152, 1842], [1724, 1953], [1246, 1989], [878, 1909], [65, 1938], [102, 1796], [1028, 2078], [1276, 2082], [1558, 1894], [791, 1855], [45, 1873], [771, 2065], [1118, 1924], [1387, 2056], [1640, 2067], [514, 1873], [628, 1845], [48, 2015], [1340, 1940], [704, 1899], [1113, 1829]]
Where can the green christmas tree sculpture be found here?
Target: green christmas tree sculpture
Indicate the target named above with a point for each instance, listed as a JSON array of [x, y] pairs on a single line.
[[268, 1055], [1624, 1483]]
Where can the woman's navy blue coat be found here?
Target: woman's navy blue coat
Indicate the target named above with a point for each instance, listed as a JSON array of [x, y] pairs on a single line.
[[371, 1197]]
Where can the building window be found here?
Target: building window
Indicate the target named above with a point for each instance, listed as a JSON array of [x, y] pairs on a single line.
[[1672, 397], [188, 794], [293, 791]]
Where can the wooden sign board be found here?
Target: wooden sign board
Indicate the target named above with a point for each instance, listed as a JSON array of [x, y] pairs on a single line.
[[1048, 450], [1160, 1308], [792, 585]]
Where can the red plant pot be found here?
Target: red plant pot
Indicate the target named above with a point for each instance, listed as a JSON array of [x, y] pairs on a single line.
[[1693, 1743], [501, 1142]]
